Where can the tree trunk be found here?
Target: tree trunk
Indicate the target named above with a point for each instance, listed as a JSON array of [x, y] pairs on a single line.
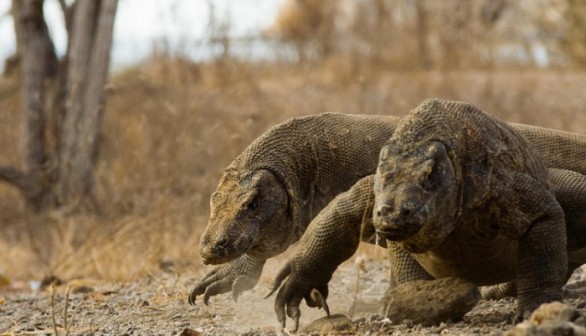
[[39, 69], [89, 59], [63, 103]]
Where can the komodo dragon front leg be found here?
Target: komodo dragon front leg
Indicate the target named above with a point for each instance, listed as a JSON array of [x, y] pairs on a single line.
[[319, 253], [332, 237]]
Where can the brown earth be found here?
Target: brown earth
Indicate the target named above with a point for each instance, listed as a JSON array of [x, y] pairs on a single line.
[[157, 305]]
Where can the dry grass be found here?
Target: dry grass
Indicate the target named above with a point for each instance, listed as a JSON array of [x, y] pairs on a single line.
[[171, 127]]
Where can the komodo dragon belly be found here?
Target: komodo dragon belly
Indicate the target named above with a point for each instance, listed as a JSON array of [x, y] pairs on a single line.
[[480, 261]]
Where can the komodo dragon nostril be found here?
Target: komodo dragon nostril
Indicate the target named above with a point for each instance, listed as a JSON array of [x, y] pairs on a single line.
[[383, 211], [221, 244], [405, 212]]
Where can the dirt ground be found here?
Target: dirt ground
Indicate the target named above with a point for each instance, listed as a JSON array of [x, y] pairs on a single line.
[[156, 304]]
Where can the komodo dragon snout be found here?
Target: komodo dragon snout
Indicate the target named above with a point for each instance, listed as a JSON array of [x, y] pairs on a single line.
[[413, 192], [243, 210]]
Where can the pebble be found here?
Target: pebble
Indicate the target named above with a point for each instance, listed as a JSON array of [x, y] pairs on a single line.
[[431, 302], [328, 324], [553, 318]]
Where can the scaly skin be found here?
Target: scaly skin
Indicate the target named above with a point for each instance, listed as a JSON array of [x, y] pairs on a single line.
[[322, 236], [291, 172]]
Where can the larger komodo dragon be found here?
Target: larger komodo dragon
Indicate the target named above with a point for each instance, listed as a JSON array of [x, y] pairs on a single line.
[[279, 183], [483, 193]]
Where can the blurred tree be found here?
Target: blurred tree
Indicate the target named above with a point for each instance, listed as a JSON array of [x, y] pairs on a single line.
[[374, 29], [63, 102], [422, 32], [309, 25], [573, 42]]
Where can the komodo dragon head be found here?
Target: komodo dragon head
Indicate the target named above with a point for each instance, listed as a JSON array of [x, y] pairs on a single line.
[[247, 214], [416, 193]]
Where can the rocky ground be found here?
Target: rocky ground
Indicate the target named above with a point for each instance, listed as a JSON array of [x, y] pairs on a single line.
[[157, 304]]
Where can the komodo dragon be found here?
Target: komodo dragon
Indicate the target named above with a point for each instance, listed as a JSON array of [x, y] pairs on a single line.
[[268, 195], [279, 183], [319, 252]]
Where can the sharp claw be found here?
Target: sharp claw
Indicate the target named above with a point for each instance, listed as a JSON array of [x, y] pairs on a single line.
[[326, 308], [193, 296], [274, 289], [317, 296], [296, 319], [283, 273]]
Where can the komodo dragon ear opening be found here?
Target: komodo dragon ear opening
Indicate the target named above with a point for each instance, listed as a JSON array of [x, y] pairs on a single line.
[[265, 177], [438, 157]]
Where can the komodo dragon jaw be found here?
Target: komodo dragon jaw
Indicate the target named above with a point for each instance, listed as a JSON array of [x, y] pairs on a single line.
[[412, 193], [247, 216]]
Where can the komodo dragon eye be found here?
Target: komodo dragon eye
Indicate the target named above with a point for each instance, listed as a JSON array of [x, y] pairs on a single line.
[[252, 204]]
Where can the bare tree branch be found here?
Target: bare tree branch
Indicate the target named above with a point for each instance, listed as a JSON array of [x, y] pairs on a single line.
[[13, 176], [67, 14]]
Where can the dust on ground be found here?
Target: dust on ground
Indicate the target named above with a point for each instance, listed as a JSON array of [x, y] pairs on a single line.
[[156, 304]]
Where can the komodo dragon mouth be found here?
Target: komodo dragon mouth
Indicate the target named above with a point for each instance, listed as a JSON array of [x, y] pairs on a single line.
[[225, 250], [398, 234]]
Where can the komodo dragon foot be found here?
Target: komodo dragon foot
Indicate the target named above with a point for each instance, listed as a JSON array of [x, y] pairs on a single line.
[[296, 288], [237, 276]]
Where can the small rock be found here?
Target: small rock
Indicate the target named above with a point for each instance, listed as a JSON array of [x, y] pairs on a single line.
[[4, 280], [325, 325], [268, 329], [166, 265], [547, 312], [82, 290], [189, 332], [553, 318], [580, 321], [431, 302], [50, 280]]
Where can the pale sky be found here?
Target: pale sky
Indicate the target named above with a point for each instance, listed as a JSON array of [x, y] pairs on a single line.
[[141, 23]]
